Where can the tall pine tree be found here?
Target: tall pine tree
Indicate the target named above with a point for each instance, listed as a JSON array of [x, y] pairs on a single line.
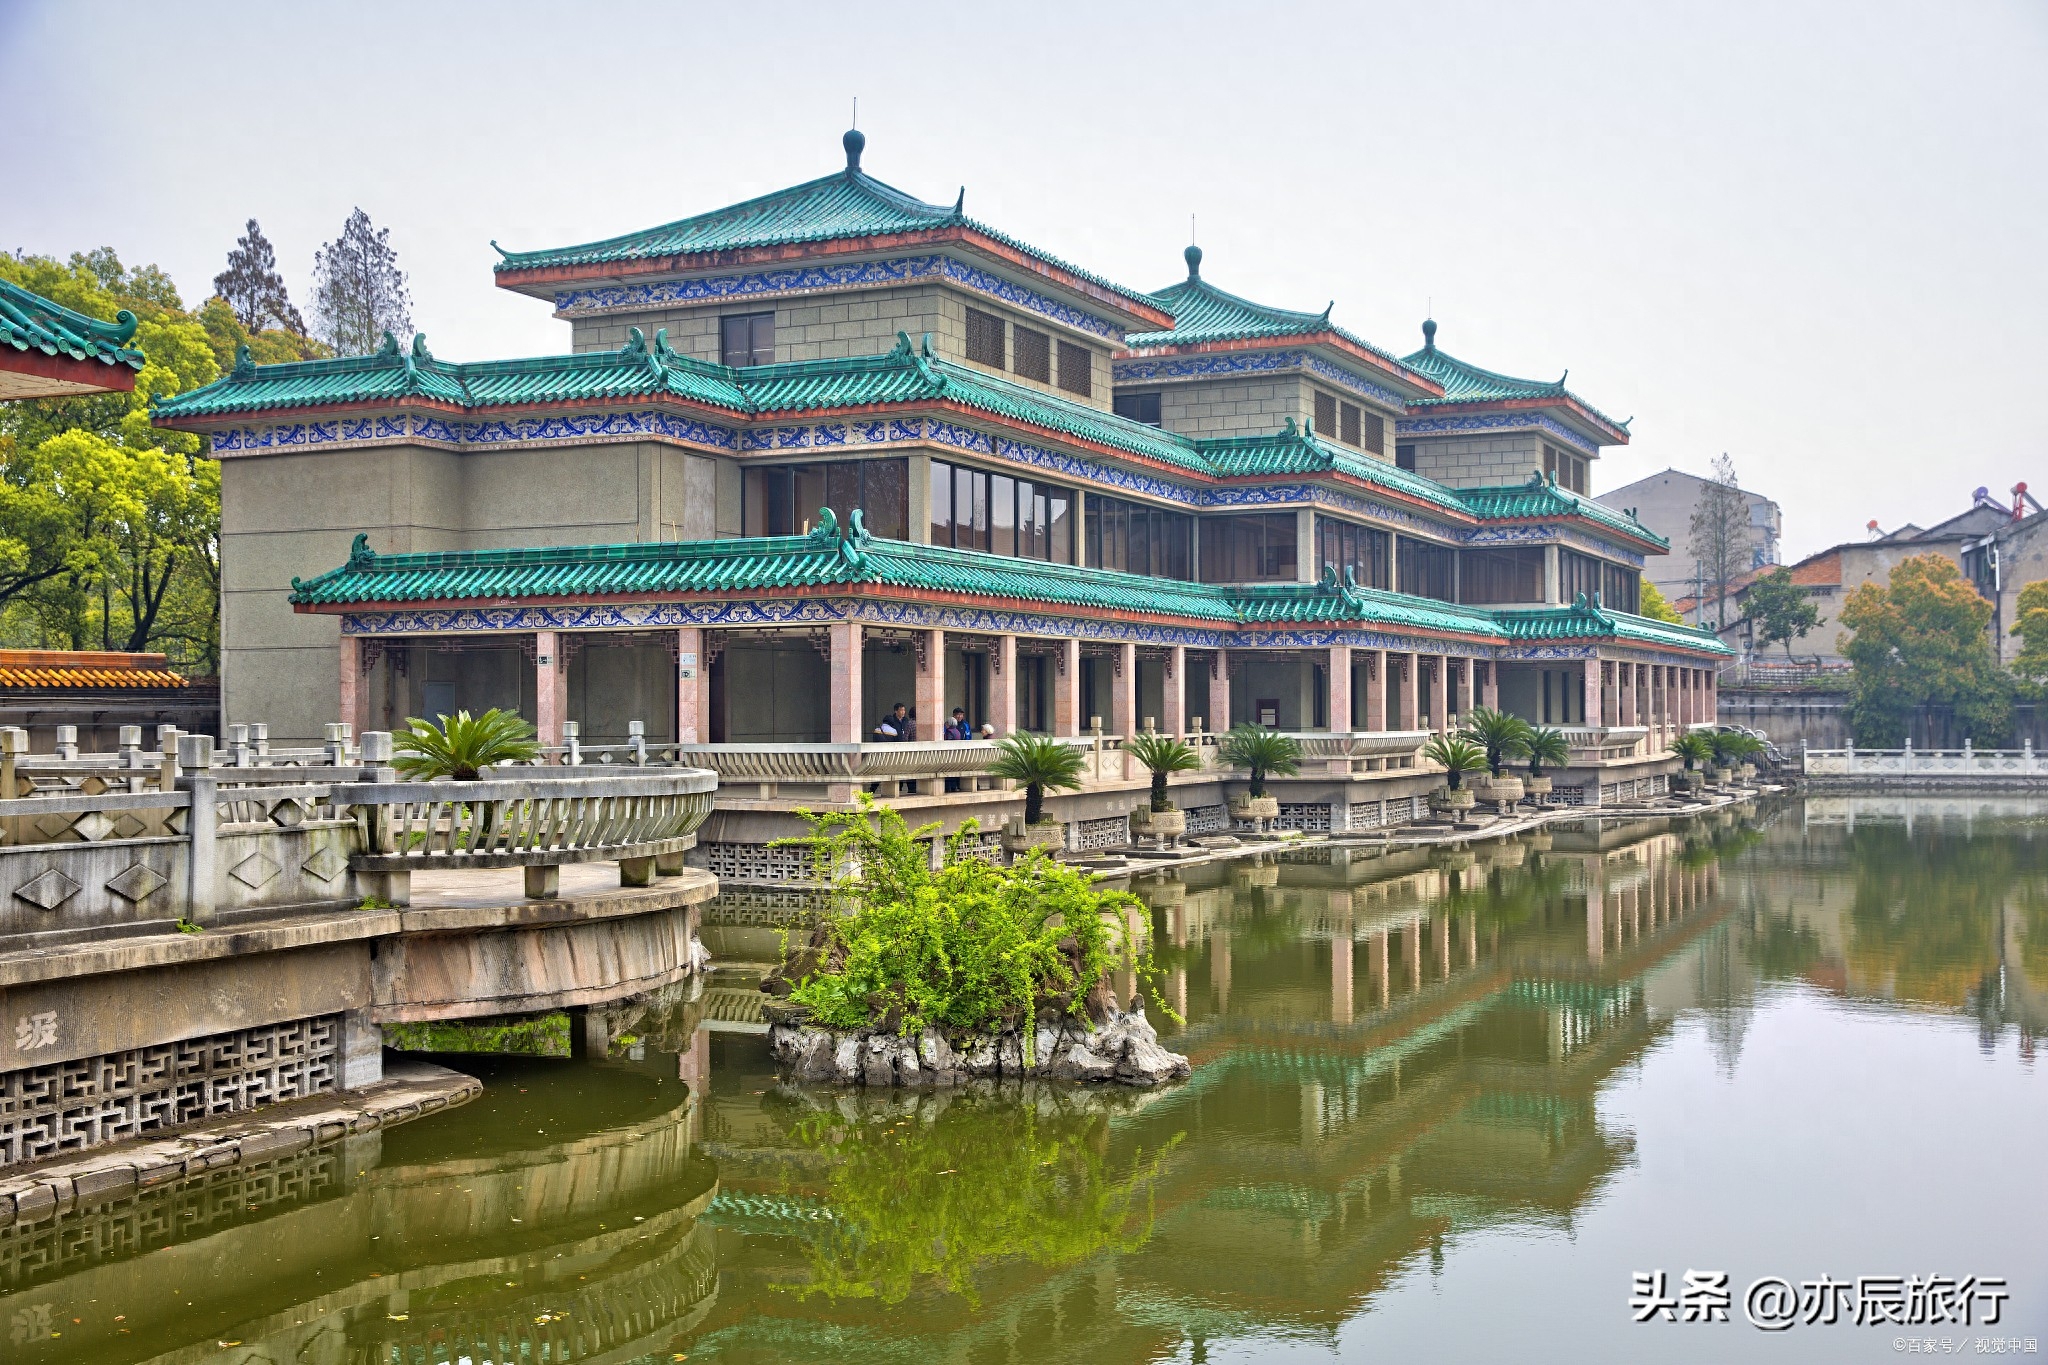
[[254, 289], [359, 292]]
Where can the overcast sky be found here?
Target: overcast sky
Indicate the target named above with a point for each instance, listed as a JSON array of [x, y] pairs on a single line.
[[1809, 235]]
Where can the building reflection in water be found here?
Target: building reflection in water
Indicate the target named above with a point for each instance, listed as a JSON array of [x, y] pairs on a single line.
[[1390, 1049]]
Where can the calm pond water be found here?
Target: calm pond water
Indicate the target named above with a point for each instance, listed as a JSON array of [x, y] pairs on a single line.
[[1443, 1108]]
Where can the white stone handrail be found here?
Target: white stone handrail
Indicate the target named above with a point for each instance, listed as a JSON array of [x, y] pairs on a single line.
[[527, 821], [1968, 761], [1328, 744]]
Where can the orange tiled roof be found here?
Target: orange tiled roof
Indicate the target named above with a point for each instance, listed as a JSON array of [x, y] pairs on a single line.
[[68, 668], [1821, 570]]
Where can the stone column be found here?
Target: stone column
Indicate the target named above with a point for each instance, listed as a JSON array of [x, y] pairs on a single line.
[[1625, 692], [1218, 718], [1440, 695], [1490, 687], [848, 718], [550, 687], [1551, 577], [1066, 689], [1173, 694], [1340, 689], [1467, 697], [1306, 567], [1409, 669], [353, 685], [1711, 705], [693, 688], [1592, 694], [930, 697], [1123, 692], [1596, 909], [1002, 688], [1340, 973], [1376, 690]]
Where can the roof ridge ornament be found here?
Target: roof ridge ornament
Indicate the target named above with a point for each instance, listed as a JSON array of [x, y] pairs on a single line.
[[359, 552], [1429, 334], [504, 254], [636, 344], [419, 347], [1193, 256], [245, 365], [387, 349], [855, 142], [826, 531], [960, 204]]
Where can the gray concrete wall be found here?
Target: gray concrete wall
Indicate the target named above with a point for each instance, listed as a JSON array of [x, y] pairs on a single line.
[[1256, 406], [1664, 502], [1481, 460]]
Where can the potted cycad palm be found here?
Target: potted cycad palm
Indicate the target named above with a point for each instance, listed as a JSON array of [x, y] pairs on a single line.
[[1036, 763], [1548, 748], [1501, 737], [1458, 756], [1697, 751], [1741, 752], [1162, 755], [462, 746], [1264, 752]]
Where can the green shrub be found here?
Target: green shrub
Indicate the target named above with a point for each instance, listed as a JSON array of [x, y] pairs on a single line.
[[971, 947], [462, 746]]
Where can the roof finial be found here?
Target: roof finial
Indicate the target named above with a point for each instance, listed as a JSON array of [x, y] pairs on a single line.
[[1193, 256], [854, 141], [1429, 334]]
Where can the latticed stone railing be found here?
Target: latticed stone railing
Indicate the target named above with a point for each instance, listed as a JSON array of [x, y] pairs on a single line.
[[1599, 743], [1998, 766]]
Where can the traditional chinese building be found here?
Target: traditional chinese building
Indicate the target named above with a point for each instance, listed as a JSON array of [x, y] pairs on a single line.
[[835, 448]]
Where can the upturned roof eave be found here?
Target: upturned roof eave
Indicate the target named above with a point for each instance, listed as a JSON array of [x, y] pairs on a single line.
[[94, 374], [1593, 423], [1419, 384], [541, 281]]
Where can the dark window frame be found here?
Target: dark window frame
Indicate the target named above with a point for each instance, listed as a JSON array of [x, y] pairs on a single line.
[[1075, 370], [752, 353], [1031, 353], [1132, 406], [986, 339]]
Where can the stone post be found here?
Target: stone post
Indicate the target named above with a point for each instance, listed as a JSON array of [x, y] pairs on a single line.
[[548, 688], [1625, 692], [1340, 689], [1066, 689], [1174, 693], [1591, 694], [1002, 688], [848, 720], [930, 697], [693, 688], [1440, 691], [195, 757], [1409, 669], [1490, 673], [1376, 690], [1218, 719]]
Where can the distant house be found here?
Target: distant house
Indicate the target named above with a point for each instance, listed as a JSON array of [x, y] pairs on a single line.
[[2003, 560], [48, 351], [1665, 502], [99, 692]]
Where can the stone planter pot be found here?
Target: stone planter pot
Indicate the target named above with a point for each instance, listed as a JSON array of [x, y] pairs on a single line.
[[1714, 777], [1158, 824], [1456, 860], [1746, 772], [1536, 786], [1503, 790], [1255, 808], [1452, 799], [1684, 781], [1256, 874], [1023, 840]]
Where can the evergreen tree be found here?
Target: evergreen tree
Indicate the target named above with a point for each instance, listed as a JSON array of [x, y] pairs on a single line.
[[1779, 610], [253, 288], [359, 292]]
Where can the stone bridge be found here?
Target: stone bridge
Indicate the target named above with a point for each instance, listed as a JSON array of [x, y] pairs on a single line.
[[188, 936]]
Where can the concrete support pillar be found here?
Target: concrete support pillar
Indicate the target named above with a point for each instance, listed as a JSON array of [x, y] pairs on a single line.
[[353, 684], [930, 698], [1218, 718], [1440, 693], [1596, 910], [1174, 694], [1377, 958], [693, 688], [1489, 694], [1592, 694], [1002, 688], [1467, 697], [362, 1051], [1307, 570], [1551, 578], [1123, 692], [1340, 689], [1408, 672], [550, 687], [1066, 689], [1711, 709], [1625, 692], [848, 719], [1376, 690]]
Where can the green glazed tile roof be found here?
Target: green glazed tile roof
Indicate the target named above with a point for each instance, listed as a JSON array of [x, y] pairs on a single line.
[[1466, 383], [1583, 620], [824, 559], [848, 203], [1541, 498], [1295, 450], [1204, 313], [30, 322]]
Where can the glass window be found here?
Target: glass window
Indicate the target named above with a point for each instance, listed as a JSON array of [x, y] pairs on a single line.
[[1347, 423], [1577, 575], [1061, 511], [1249, 549], [1030, 540], [885, 497], [1345, 544], [811, 494], [747, 339], [1002, 514], [942, 503], [1404, 457], [1133, 538], [1326, 416], [1426, 570], [1375, 433], [1490, 576], [1138, 407]]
